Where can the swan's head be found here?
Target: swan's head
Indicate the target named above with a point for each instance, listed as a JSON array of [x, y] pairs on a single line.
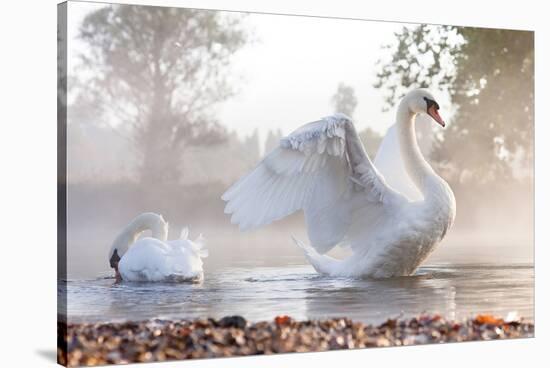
[[421, 101], [115, 254]]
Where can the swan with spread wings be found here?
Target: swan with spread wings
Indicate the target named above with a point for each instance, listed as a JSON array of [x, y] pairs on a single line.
[[392, 212]]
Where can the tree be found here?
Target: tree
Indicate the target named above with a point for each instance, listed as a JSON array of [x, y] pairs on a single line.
[[488, 76], [344, 100], [158, 72], [423, 57]]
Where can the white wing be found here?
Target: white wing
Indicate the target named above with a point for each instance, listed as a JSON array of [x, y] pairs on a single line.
[[390, 164], [321, 168]]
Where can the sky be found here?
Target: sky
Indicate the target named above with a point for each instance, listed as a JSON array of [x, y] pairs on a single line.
[[287, 76]]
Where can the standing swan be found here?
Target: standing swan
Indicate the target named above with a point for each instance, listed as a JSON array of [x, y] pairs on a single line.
[[154, 258], [323, 169]]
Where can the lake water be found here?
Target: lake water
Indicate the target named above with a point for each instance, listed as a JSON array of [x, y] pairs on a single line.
[[258, 293]]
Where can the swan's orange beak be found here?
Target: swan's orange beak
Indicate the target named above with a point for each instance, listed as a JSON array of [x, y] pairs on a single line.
[[432, 111]]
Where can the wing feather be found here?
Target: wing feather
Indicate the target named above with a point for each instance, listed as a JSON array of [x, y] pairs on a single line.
[[311, 171]]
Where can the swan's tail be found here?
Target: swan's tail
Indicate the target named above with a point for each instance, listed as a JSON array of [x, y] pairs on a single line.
[[323, 264], [197, 246]]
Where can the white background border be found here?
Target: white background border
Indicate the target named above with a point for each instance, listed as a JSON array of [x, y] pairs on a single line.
[[28, 189]]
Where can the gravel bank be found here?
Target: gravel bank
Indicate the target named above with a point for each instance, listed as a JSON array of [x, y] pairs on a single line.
[[160, 340]]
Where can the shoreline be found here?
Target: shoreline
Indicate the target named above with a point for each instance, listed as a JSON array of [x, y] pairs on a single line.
[[90, 344]]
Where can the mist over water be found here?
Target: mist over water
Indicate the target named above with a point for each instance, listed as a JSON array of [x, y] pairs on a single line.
[[262, 273], [495, 233], [273, 246]]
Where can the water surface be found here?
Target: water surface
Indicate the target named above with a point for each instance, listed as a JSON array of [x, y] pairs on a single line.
[[259, 293]]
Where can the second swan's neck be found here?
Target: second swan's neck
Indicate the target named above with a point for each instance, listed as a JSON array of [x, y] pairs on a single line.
[[146, 221], [417, 167]]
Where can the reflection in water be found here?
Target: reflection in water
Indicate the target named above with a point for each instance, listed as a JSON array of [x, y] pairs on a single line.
[[381, 299], [263, 292]]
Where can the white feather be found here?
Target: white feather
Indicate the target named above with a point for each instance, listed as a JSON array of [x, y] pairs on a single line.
[[153, 259]]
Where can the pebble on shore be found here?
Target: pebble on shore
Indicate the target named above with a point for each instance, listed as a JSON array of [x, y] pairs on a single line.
[[161, 340]]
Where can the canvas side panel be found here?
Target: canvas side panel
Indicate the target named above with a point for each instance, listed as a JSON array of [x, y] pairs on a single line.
[[61, 183]]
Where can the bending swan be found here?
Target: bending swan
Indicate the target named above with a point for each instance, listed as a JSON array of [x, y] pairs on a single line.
[[322, 168], [154, 258]]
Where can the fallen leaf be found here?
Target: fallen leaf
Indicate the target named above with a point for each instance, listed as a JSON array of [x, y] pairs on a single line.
[[282, 320], [488, 319]]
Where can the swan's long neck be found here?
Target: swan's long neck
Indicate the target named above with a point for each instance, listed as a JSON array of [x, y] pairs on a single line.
[[146, 221], [416, 165]]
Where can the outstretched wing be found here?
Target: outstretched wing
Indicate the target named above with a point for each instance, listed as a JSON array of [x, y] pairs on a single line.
[[321, 168]]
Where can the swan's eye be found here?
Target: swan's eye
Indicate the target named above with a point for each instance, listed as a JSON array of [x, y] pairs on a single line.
[[430, 103], [114, 259]]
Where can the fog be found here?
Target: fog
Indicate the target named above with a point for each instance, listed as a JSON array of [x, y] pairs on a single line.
[[126, 157], [486, 231]]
